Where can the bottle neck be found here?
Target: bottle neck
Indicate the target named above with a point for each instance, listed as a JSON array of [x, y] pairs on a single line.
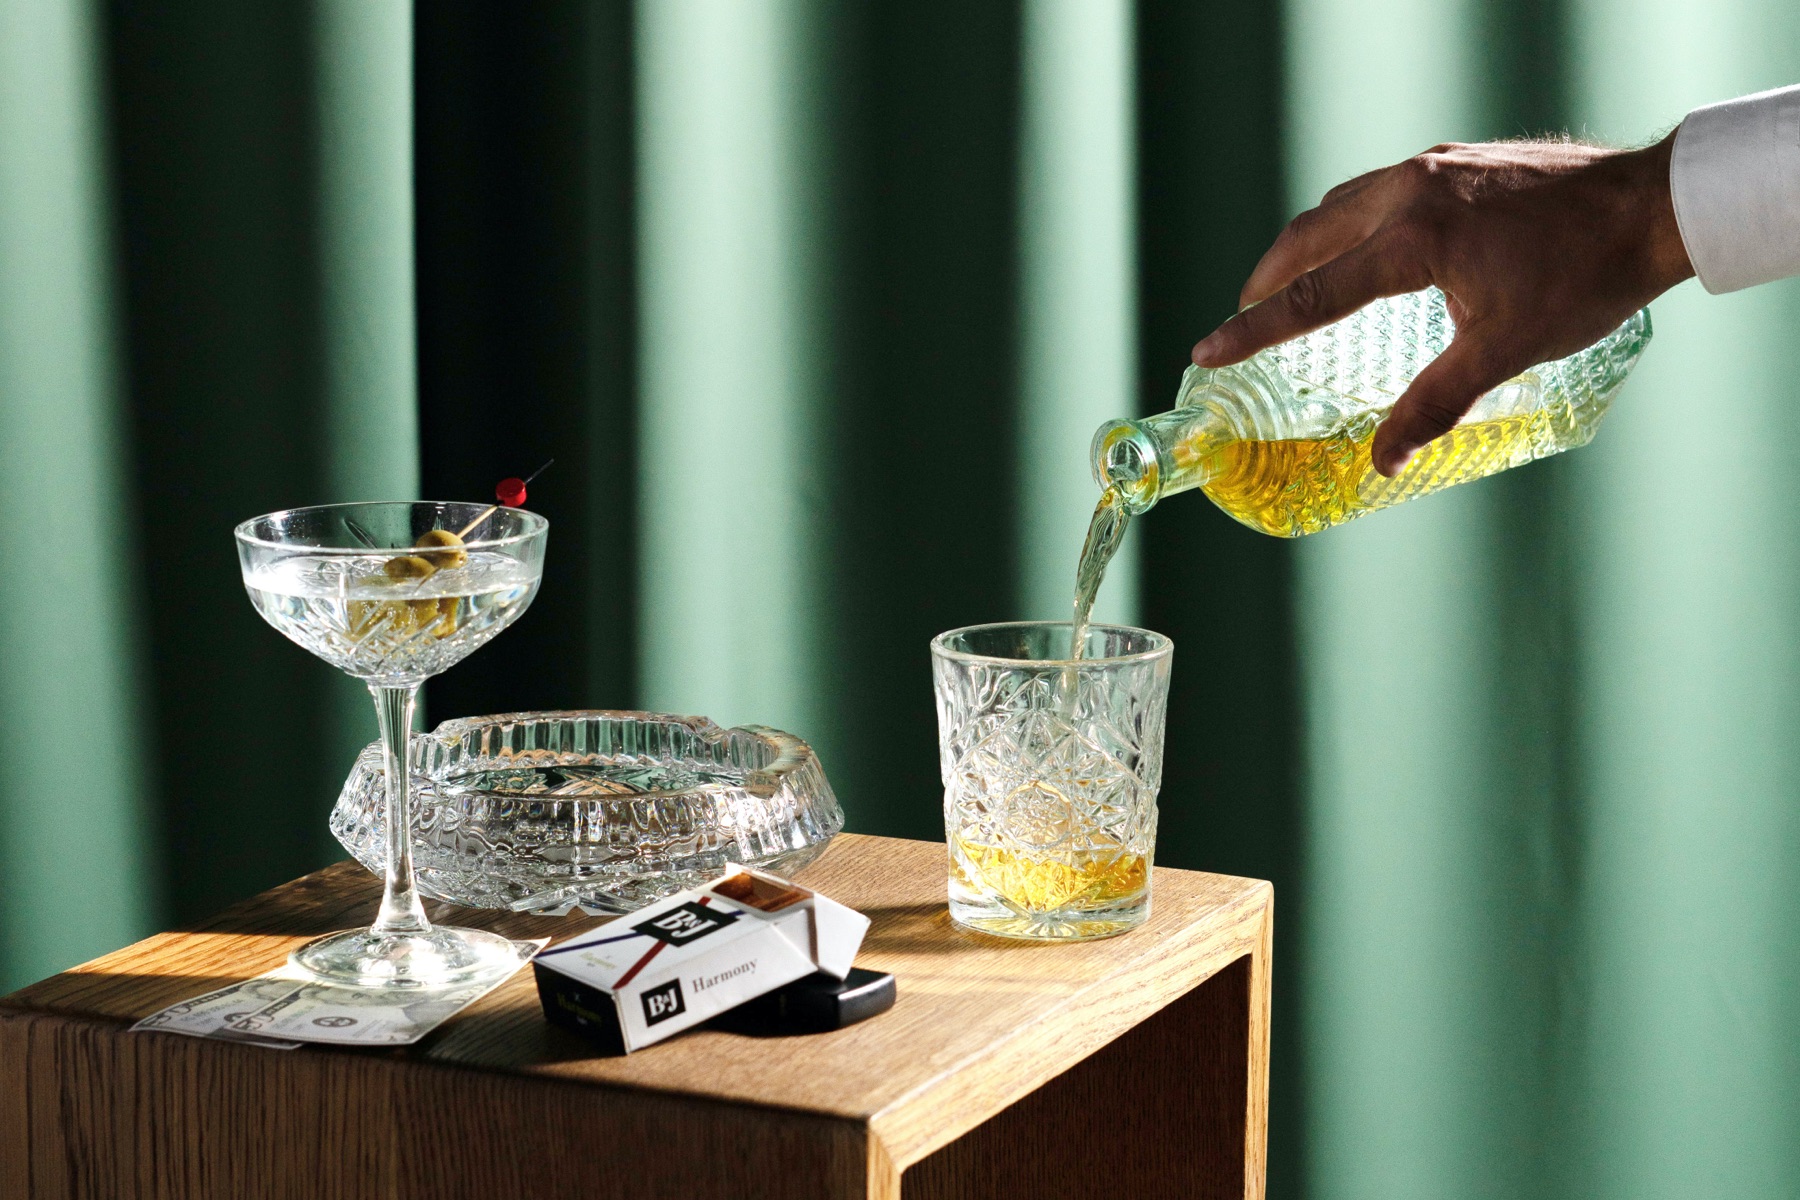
[[1153, 457]]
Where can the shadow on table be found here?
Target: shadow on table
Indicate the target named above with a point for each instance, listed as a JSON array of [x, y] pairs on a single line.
[[927, 928], [345, 896]]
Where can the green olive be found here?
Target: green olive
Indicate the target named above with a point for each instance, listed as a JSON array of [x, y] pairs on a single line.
[[446, 623], [443, 559], [410, 566]]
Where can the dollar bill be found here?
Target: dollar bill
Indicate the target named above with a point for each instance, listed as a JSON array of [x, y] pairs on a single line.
[[348, 1016], [212, 1015]]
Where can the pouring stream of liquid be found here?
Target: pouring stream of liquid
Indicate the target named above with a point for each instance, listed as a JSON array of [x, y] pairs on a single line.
[[1106, 530]]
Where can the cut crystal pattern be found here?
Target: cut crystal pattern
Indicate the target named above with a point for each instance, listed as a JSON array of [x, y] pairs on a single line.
[[608, 811], [1050, 774], [1284, 444]]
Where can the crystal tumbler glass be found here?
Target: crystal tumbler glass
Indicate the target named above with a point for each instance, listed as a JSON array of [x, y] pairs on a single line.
[[1051, 765]]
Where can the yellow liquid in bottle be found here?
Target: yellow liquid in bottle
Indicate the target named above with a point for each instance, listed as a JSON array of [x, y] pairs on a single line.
[[1281, 440], [1290, 488]]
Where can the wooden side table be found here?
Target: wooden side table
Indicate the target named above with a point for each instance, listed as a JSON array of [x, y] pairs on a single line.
[[1133, 1067]]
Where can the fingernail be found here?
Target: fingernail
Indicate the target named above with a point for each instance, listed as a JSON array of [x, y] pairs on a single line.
[[1206, 350]]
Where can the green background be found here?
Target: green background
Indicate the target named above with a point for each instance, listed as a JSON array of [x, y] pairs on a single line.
[[815, 303]]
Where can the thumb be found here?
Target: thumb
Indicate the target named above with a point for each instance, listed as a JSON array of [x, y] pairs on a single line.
[[1443, 392]]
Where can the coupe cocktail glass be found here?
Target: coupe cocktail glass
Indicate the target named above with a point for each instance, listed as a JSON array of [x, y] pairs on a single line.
[[352, 584]]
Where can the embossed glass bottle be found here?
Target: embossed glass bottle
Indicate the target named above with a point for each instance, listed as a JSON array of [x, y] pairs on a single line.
[[1281, 440]]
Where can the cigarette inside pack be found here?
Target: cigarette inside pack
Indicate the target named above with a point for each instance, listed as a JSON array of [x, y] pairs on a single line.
[[693, 955]]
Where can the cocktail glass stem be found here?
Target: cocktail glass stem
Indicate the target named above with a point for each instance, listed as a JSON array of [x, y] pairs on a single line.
[[326, 577], [401, 910]]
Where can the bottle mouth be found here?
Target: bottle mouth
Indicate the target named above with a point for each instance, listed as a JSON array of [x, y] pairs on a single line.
[[1124, 457]]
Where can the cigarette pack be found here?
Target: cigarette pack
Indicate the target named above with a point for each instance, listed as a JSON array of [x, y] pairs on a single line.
[[693, 955]]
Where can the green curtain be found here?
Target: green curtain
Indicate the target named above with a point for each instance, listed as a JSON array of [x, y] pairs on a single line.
[[205, 312], [262, 230], [77, 857], [1690, 696], [815, 303], [1077, 269], [1548, 716]]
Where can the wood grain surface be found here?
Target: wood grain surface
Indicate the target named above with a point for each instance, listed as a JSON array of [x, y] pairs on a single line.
[[1025, 1052], [1133, 1120]]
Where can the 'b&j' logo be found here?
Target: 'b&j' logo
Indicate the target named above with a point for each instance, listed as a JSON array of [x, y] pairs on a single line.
[[663, 1002], [685, 923]]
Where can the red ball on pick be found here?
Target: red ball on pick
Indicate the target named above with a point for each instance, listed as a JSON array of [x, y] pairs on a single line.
[[511, 492]]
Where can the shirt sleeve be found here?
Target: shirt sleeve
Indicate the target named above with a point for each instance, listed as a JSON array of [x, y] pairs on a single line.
[[1735, 180]]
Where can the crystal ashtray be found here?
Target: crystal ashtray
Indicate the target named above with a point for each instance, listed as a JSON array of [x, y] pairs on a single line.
[[605, 811]]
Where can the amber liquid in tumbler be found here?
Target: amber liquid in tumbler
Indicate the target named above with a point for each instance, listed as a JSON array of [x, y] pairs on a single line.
[[1098, 879], [1282, 487], [1084, 879]]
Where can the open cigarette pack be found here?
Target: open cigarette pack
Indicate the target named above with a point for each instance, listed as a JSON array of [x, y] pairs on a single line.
[[693, 955]]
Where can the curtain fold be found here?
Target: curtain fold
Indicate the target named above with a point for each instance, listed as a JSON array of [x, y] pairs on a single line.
[[77, 848], [1689, 682], [732, 445], [922, 379], [1417, 890], [526, 238], [1077, 283], [265, 270], [1211, 195], [362, 97]]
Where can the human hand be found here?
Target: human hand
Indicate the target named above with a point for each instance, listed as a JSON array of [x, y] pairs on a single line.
[[1541, 248]]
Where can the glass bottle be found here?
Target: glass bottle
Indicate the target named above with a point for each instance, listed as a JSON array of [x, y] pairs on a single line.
[[1281, 440]]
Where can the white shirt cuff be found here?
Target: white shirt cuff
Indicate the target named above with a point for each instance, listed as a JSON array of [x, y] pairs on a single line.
[[1735, 180]]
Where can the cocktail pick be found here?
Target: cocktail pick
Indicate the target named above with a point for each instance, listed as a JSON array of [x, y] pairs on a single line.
[[510, 493], [362, 535]]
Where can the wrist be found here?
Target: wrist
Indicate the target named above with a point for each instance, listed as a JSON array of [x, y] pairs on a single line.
[[1664, 255]]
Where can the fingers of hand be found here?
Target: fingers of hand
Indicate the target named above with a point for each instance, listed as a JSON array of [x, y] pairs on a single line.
[[1350, 213], [1439, 397], [1379, 266], [1355, 185]]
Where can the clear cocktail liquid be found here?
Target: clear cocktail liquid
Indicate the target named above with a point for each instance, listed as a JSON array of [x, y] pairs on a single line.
[[348, 611]]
